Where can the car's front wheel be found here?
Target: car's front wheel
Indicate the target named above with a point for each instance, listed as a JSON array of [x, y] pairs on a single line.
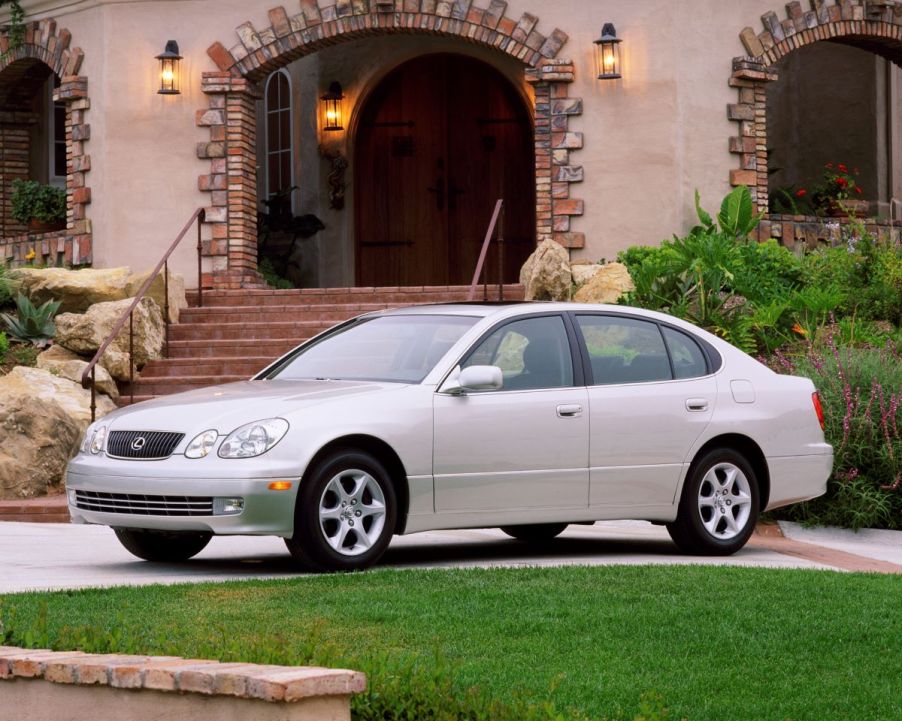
[[535, 532], [345, 514], [162, 546], [719, 506]]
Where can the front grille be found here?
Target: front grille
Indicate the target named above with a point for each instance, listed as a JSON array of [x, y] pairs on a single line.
[[155, 446], [142, 505]]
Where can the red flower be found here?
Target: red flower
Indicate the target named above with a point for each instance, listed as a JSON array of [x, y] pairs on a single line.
[[829, 166], [842, 182], [842, 168], [858, 190], [801, 193]]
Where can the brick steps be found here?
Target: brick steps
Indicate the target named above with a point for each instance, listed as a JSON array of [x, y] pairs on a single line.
[[237, 333]]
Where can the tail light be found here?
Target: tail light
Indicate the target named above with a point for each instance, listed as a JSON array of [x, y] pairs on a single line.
[[818, 408]]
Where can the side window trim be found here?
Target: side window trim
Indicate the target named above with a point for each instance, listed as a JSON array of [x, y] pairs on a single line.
[[578, 375]]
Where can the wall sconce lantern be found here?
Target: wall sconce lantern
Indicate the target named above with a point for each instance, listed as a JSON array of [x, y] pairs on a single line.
[[169, 69], [607, 54], [332, 107]]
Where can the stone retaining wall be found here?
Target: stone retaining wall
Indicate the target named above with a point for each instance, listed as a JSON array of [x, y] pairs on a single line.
[[45, 685]]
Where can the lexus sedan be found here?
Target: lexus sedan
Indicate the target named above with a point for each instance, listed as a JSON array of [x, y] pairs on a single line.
[[523, 416]]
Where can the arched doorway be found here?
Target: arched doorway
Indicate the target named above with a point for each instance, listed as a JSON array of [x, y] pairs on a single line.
[[439, 141]]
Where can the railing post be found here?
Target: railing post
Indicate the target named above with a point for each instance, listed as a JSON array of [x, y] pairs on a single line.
[[166, 308], [200, 248], [131, 355], [93, 391], [500, 242]]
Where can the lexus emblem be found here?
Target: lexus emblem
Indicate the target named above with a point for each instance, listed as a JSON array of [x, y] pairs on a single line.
[[138, 443]]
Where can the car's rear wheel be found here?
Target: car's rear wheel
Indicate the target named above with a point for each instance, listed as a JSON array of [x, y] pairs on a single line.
[[345, 514], [535, 532], [719, 506], [162, 546]]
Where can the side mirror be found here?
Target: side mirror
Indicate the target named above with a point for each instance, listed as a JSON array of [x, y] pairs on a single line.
[[474, 378]]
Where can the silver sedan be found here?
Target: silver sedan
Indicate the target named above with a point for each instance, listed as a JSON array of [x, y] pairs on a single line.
[[523, 416]]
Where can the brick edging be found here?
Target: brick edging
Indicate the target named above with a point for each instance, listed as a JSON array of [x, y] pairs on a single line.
[[50, 509], [274, 684]]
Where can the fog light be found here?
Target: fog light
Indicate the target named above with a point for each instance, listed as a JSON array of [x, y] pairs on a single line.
[[227, 506], [280, 486], [70, 492]]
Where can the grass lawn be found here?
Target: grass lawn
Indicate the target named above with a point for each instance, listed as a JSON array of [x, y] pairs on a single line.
[[716, 643]]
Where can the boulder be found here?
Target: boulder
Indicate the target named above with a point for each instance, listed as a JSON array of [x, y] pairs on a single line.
[[74, 400], [37, 439], [76, 290], [66, 364], [85, 333], [607, 285], [546, 273], [177, 299], [583, 272]]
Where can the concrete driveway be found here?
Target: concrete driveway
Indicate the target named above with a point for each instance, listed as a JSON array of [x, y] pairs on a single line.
[[60, 556]]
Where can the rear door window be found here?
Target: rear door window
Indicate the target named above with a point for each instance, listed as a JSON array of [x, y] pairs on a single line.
[[624, 350]]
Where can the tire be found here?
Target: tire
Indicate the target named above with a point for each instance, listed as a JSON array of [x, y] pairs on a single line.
[[535, 532], [162, 546], [719, 506], [345, 514]]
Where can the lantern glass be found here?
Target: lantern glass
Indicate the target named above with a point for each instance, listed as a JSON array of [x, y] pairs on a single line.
[[169, 69], [607, 54], [332, 115]]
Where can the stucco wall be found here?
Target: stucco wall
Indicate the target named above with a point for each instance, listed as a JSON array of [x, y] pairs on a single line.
[[650, 138]]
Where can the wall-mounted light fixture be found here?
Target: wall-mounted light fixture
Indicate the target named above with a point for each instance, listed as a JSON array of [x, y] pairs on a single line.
[[169, 69], [607, 54], [332, 119]]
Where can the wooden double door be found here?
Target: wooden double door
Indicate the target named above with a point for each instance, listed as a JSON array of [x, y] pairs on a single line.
[[440, 140]]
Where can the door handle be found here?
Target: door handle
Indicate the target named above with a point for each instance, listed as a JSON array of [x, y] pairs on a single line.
[[571, 411], [697, 404]]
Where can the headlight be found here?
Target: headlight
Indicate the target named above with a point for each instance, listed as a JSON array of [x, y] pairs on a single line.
[[98, 440], [89, 436], [201, 445], [253, 439]]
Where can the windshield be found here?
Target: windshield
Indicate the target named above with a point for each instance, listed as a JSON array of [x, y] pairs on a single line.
[[401, 348]]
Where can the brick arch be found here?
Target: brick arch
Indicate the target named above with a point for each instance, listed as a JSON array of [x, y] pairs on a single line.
[[872, 25], [231, 241], [44, 44]]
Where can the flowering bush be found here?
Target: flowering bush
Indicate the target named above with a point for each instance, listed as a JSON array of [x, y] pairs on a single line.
[[861, 392], [839, 184]]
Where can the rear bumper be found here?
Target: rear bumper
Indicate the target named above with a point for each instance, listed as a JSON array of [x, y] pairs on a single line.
[[265, 512], [798, 478]]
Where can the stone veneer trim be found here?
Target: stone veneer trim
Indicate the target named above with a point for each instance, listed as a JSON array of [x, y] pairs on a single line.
[[877, 24], [232, 91], [44, 43]]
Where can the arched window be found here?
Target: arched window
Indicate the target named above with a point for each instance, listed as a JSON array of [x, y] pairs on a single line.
[[279, 155]]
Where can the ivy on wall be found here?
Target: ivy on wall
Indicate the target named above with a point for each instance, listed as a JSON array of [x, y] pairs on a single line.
[[16, 23]]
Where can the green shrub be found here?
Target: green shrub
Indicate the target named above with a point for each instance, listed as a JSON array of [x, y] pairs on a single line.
[[31, 324], [4, 346], [861, 392], [7, 286], [273, 279], [32, 200]]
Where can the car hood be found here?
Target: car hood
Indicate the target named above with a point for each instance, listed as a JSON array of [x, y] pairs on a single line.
[[226, 407]]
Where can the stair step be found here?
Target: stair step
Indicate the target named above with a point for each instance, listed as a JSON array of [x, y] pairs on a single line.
[[173, 367], [165, 386], [199, 348], [239, 331]]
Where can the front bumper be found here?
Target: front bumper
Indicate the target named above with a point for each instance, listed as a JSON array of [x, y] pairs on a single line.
[[266, 512]]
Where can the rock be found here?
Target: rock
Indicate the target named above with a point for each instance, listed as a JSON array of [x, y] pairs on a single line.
[[584, 272], [74, 400], [37, 439], [608, 284], [76, 290], [84, 334], [66, 364], [177, 299], [546, 273]]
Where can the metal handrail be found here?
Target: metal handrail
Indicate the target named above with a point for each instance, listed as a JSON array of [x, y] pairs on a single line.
[[88, 377], [497, 215]]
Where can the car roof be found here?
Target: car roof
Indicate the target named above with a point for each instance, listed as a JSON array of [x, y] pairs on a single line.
[[507, 308]]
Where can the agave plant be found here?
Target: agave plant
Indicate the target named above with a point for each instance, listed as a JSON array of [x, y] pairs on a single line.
[[32, 324]]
